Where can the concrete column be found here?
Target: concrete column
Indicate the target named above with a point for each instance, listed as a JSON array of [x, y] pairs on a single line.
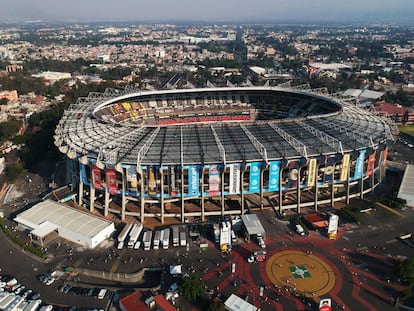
[[123, 198], [162, 194], [106, 208]]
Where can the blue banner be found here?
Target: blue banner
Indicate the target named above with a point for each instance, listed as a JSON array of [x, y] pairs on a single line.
[[83, 174], [359, 166], [329, 169], [274, 172], [193, 181], [254, 177]]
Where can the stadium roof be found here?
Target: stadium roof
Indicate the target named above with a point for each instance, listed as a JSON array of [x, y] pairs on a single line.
[[44, 215], [340, 127]]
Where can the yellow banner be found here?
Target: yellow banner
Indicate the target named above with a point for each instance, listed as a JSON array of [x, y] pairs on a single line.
[[345, 167], [311, 172]]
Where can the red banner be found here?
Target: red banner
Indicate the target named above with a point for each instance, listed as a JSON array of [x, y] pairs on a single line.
[[371, 161], [111, 180], [97, 181]]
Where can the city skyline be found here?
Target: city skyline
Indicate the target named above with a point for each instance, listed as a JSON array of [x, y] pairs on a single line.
[[212, 11]]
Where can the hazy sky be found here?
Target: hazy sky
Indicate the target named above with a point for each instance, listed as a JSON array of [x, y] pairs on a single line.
[[208, 10]]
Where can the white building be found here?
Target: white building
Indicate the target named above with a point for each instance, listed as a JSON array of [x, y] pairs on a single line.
[[71, 224]]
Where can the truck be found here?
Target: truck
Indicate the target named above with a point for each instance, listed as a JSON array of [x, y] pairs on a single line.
[[216, 232], [102, 293], [134, 234], [176, 236], [225, 239], [122, 236], [147, 240], [183, 238], [156, 241], [166, 238]]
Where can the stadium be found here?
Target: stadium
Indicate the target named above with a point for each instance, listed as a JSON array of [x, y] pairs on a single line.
[[201, 152]]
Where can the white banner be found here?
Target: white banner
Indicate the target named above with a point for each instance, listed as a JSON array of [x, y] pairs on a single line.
[[234, 182]]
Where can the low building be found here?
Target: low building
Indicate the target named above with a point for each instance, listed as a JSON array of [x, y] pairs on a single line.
[[406, 190], [48, 218], [235, 303], [396, 112]]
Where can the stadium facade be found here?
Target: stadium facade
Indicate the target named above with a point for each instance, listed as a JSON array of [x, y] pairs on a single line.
[[220, 151]]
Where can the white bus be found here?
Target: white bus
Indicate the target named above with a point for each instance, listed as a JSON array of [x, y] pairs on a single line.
[[176, 236], [166, 238], [124, 232], [156, 241], [133, 236], [147, 240]]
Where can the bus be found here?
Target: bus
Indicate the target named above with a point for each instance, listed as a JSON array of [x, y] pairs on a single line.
[[176, 236], [166, 238], [156, 242], [147, 240], [133, 236], [124, 233]]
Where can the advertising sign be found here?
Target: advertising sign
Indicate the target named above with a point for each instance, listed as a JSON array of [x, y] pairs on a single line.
[[345, 167], [111, 180], [371, 162], [254, 177], [293, 173], [193, 181], [359, 166], [152, 182], [173, 190], [329, 169], [312, 172], [83, 174], [234, 180], [274, 172], [131, 174], [214, 180], [97, 181]]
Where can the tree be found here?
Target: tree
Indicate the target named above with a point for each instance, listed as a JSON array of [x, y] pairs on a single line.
[[13, 171], [216, 306], [192, 287], [405, 117], [405, 270], [4, 101]]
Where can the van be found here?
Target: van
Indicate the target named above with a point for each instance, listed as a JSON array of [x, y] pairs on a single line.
[[102, 293], [120, 245], [299, 230]]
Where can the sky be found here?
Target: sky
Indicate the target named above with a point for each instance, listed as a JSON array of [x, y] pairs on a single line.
[[208, 10]]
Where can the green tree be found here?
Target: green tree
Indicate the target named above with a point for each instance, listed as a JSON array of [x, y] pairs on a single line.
[[14, 170], [4, 101], [192, 287], [216, 306], [405, 270]]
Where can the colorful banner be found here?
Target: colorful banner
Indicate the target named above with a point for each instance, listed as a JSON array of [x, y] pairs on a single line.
[[193, 181], [173, 190], [82, 171], [274, 172], [132, 183], [359, 166], [111, 180], [254, 180], [293, 174], [312, 172], [214, 180], [234, 179], [345, 167], [371, 162], [329, 169], [152, 182], [97, 181], [384, 159]]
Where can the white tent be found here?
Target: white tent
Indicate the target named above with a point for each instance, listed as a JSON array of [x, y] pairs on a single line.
[[175, 269], [235, 303]]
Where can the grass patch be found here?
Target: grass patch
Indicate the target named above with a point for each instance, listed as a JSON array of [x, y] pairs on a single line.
[[407, 129]]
